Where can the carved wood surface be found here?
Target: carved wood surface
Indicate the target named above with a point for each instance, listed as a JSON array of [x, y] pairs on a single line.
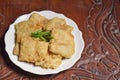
[[99, 21]]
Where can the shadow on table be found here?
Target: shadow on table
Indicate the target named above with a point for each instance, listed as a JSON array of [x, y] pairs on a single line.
[[11, 65]]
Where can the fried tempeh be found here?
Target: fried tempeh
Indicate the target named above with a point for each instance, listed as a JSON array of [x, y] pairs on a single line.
[[63, 43]]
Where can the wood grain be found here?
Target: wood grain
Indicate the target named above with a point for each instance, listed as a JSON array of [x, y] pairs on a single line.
[[99, 21]]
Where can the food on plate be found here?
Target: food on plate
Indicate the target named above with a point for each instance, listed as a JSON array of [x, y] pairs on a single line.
[[25, 28], [43, 42], [62, 43]]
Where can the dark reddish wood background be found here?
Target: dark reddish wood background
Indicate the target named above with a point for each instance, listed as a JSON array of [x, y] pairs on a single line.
[[99, 21]]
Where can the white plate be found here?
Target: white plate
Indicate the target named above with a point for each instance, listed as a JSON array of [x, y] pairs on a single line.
[[66, 64]]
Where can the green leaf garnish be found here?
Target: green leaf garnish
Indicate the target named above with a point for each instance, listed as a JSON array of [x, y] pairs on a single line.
[[42, 35]]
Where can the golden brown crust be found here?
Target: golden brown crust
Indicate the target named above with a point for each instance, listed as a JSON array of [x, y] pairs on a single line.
[[41, 53], [63, 43]]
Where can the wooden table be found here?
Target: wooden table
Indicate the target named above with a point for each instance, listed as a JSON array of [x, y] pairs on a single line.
[[99, 21]]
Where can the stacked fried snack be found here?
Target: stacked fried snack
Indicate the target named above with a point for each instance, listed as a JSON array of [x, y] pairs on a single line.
[[46, 54]]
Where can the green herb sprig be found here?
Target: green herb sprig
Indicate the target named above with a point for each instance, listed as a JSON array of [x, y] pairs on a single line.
[[42, 35]]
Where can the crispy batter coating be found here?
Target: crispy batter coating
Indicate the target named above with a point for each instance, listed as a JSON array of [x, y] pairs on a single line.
[[51, 61], [63, 43], [32, 50], [24, 28], [41, 53]]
